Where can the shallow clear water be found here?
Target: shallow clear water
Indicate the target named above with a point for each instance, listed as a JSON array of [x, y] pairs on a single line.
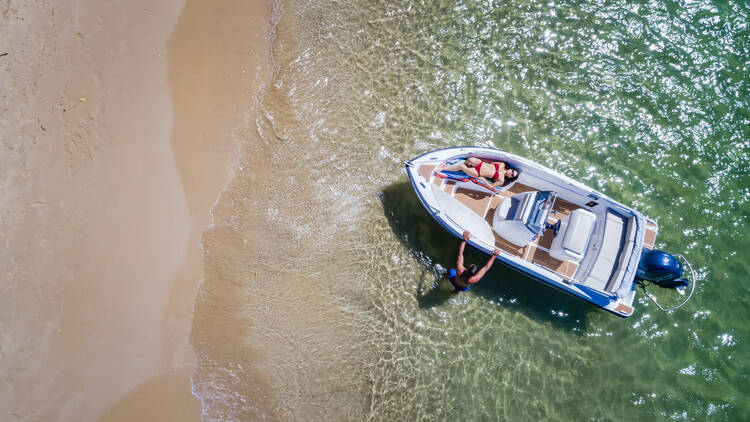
[[324, 296]]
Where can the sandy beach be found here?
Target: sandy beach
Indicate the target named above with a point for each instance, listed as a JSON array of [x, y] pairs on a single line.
[[116, 122]]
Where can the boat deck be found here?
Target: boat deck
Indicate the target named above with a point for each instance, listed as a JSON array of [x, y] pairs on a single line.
[[537, 252]]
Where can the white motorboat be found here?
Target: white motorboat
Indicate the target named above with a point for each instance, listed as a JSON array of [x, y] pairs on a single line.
[[547, 226]]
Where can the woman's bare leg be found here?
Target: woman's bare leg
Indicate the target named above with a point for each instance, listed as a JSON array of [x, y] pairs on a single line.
[[468, 167], [472, 161], [470, 171]]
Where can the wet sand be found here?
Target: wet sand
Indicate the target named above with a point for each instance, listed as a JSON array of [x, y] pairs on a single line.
[[116, 126]]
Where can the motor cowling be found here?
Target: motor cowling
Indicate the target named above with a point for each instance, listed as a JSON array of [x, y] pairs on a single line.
[[660, 268]]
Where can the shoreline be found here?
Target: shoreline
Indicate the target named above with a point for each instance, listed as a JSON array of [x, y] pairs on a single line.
[[117, 142]]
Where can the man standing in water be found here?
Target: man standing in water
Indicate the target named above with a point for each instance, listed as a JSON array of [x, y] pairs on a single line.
[[462, 278]]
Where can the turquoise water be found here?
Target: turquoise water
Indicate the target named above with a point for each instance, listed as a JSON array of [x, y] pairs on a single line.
[[324, 296]]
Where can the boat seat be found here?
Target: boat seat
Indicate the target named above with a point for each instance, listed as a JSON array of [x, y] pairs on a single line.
[[627, 251], [509, 218], [613, 239], [572, 240]]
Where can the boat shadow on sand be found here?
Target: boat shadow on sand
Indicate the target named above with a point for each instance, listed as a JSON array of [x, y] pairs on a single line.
[[437, 249]]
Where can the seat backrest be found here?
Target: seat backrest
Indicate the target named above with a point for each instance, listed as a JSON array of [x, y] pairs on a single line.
[[575, 232], [579, 231]]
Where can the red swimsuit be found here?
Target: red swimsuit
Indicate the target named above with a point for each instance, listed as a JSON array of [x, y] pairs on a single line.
[[497, 170]]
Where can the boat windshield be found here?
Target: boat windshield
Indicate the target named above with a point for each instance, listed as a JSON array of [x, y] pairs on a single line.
[[540, 211]]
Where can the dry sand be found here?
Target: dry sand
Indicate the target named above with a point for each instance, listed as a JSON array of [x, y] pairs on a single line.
[[116, 124]]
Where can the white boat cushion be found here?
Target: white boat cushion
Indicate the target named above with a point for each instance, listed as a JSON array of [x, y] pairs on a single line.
[[573, 238], [507, 209], [508, 221], [605, 262], [630, 233], [627, 251]]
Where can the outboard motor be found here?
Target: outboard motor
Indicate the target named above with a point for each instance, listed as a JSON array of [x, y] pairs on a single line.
[[662, 269]]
